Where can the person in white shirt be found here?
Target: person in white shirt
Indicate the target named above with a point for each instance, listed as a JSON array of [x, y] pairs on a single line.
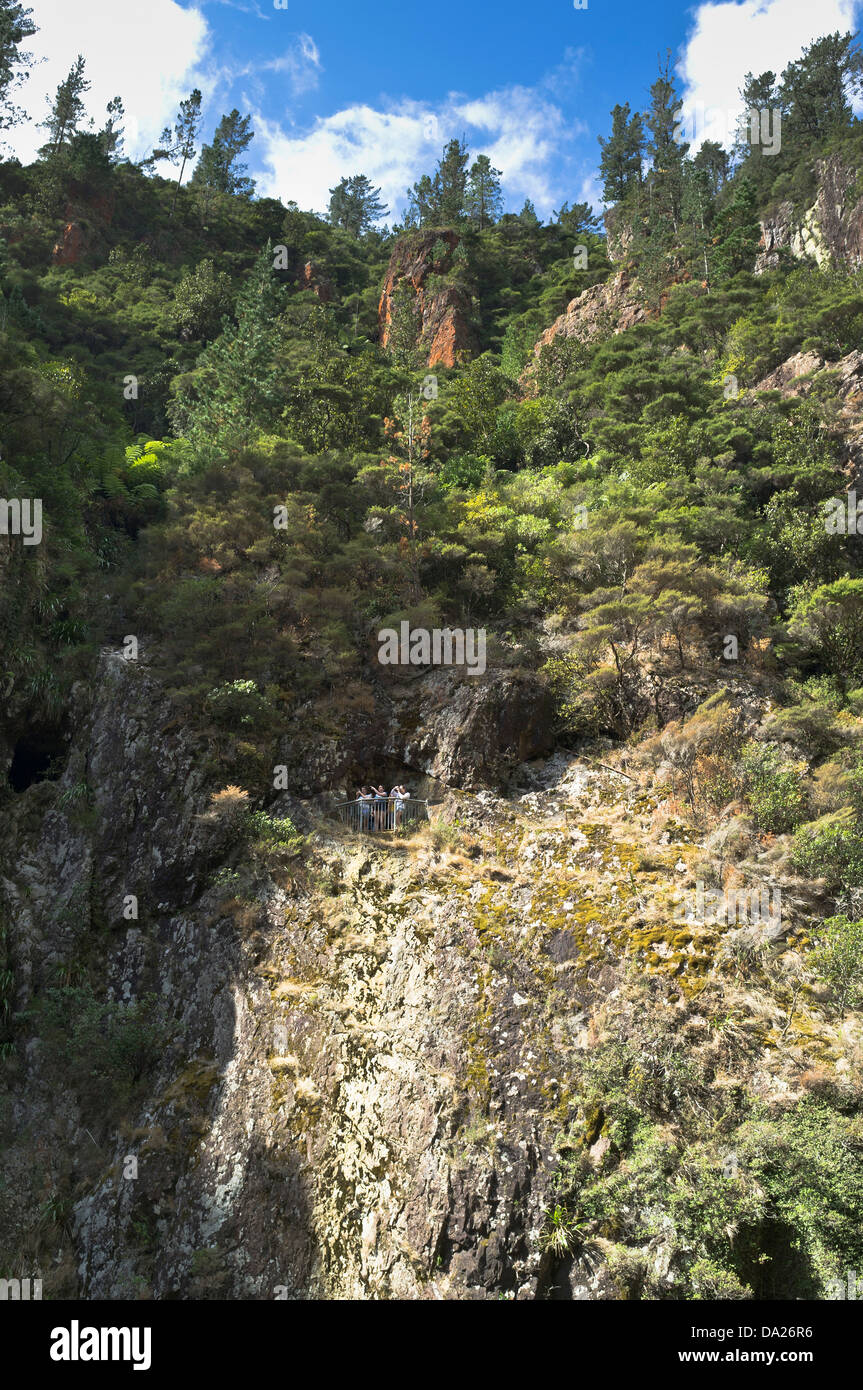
[[399, 795], [365, 798]]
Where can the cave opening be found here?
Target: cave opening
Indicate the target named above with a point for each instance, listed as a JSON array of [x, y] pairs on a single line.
[[36, 757]]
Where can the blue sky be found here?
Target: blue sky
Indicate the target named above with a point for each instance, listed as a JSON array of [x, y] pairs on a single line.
[[376, 88]]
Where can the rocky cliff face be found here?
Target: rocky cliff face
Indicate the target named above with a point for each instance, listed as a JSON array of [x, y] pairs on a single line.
[[843, 380], [609, 308], [69, 250], [443, 726], [830, 230], [442, 309], [303, 1130], [311, 277], [365, 1079], [612, 307]]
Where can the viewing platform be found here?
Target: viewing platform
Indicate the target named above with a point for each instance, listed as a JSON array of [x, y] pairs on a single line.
[[382, 815]]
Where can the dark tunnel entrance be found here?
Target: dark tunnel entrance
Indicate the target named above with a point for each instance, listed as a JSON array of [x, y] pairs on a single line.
[[37, 756]]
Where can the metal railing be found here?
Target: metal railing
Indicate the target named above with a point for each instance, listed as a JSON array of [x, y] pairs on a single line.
[[384, 813]]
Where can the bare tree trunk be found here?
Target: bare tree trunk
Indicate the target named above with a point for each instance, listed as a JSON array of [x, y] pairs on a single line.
[[179, 181]]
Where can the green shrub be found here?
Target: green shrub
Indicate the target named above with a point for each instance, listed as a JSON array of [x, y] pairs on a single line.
[[833, 852], [809, 1163], [838, 959], [237, 704], [775, 787], [272, 830], [107, 1050], [463, 471], [710, 1280]]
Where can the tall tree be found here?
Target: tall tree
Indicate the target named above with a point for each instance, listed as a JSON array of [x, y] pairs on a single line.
[[112, 133], [15, 26], [442, 198], [483, 200], [577, 219], [713, 160], [696, 207], [178, 145], [736, 232], [757, 94], [667, 153], [355, 204], [421, 202], [67, 109], [818, 89], [234, 392], [217, 167], [622, 154], [450, 182]]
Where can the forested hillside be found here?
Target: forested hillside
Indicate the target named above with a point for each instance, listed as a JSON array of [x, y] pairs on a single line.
[[495, 1057]]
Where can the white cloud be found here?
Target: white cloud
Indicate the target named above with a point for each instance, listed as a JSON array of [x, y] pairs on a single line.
[[730, 39], [154, 53], [300, 64], [252, 7], [388, 146], [151, 54], [527, 137], [523, 134]]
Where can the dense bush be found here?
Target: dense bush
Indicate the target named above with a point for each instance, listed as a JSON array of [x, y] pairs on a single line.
[[830, 851], [838, 959], [775, 787]]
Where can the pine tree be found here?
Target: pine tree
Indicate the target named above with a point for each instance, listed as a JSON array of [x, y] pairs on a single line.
[[483, 199], [578, 219], [15, 26], [736, 232], [356, 205], [657, 235], [233, 393], [817, 90], [179, 145], [67, 110], [421, 203], [666, 150], [217, 167], [112, 134], [450, 182], [757, 94], [622, 154], [713, 160], [696, 207]]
